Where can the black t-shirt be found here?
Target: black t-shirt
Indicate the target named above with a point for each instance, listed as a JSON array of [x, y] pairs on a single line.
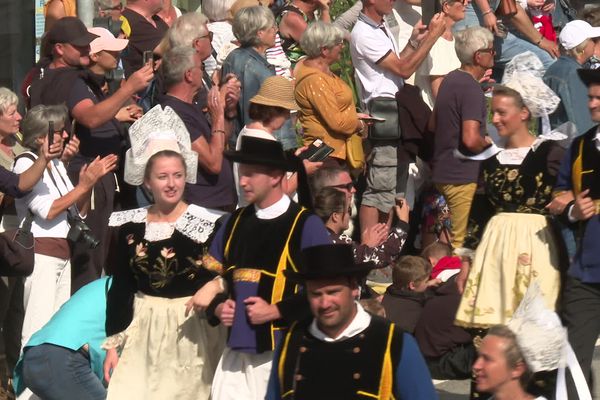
[[100, 141], [459, 99], [210, 190], [143, 37]]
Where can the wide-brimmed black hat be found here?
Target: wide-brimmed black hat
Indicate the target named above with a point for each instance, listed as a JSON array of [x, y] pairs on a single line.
[[69, 30], [589, 76], [264, 152], [328, 261]]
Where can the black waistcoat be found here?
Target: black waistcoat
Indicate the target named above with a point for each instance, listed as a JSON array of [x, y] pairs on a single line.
[[310, 369]]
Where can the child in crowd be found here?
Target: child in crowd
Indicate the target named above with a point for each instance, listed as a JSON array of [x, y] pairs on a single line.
[[445, 265], [403, 301]]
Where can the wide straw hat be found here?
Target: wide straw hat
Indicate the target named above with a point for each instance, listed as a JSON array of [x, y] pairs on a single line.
[[276, 91], [156, 131]]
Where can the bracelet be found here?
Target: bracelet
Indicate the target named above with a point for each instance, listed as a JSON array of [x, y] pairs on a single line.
[[539, 41], [487, 12], [218, 130], [362, 125]]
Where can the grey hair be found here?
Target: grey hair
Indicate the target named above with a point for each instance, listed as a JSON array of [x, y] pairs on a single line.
[[325, 177], [248, 21], [186, 28], [469, 41], [318, 35], [103, 4], [175, 63], [35, 123], [217, 10], [7, 98]]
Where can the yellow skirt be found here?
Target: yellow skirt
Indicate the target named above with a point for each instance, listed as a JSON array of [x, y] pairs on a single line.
[[515, 250], [166, 354]]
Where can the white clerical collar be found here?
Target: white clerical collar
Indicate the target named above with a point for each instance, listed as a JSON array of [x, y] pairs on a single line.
[[597, 138], [361, 321], [274, 210]]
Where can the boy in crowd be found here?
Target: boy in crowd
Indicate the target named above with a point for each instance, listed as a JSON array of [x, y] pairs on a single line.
[[404, 300]]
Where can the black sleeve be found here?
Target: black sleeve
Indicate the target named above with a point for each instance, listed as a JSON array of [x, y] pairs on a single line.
[[119, 306], [294, 308], [9, 183], [555, 157]]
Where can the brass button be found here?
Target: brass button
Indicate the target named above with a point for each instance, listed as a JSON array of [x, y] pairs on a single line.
[[362, 336], [356, 375], [356, 350], [299, 377], [303, 349]]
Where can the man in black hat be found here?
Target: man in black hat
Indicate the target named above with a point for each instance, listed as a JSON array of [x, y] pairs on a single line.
[[252, 250], [577, 199], [343, 352]]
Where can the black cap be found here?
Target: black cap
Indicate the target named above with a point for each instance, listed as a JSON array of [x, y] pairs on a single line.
[[69, 30], [265, 152], [328, 261], [589, 76]]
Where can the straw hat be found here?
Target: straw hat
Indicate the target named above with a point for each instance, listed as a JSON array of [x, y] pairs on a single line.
[[276, 91], [158, 130]]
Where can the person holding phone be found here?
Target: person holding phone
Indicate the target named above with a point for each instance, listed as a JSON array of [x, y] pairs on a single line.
[[381, 67], [49, 286], [327, 110]]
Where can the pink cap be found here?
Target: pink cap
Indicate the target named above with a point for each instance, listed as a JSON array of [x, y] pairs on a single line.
[[105, 41]]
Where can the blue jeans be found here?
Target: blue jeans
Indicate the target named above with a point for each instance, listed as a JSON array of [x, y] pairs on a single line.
[[57, 373]]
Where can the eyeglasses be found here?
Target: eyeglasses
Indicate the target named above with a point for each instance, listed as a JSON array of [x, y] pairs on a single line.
[[118, 7], [209, 35], [344, 186], [489, 50]]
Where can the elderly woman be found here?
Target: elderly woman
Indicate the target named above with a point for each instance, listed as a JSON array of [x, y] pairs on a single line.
[[327, 109], [219, 16], [11, 184], [47, 206], [577, 48], [255, 29], [518, 246]]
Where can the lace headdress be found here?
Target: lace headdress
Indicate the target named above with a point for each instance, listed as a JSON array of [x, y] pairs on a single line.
[[159, 129], [524, 74]]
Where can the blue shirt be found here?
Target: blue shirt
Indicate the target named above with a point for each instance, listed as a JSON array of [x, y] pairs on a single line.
[[563, 79], [78, 322]]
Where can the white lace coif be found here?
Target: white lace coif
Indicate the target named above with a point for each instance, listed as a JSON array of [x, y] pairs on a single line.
[[540, 334], [524, 74], [158, 130]]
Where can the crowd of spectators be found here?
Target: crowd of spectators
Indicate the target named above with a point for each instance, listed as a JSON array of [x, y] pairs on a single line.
[[176, 168]]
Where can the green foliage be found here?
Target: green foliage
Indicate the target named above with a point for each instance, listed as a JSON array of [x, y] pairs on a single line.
[[344, 68]]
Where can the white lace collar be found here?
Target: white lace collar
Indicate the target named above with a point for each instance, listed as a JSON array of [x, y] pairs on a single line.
[[517, 155], [196, 223]]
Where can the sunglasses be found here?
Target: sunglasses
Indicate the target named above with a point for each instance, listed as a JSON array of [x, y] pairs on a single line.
[[345, 186]]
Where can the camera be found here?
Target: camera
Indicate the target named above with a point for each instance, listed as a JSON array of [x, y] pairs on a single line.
[[80, 232]]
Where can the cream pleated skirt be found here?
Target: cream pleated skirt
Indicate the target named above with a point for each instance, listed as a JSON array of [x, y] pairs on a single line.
[[515, 250], [166, 355]]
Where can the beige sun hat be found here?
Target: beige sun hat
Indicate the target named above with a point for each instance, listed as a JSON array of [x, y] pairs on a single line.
[[276, 91]]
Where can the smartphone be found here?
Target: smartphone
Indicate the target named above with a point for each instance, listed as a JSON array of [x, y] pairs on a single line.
[[50, 133], [429, 9], [372, 119], [147, 57], [317, 151]]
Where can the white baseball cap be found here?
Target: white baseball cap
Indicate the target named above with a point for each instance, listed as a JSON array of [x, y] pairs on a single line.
[[105, 41], [576, 32]]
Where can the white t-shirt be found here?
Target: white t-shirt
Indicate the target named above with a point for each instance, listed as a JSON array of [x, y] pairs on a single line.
[[41, 197], [441, 60], [258, 133], [369, 44]]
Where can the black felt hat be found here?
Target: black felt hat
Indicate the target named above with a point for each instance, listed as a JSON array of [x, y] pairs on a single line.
[[589, 76], [329, 261], [264, 152]]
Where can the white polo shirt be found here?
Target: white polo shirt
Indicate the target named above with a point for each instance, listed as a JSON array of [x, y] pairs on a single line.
[[369, 44]]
